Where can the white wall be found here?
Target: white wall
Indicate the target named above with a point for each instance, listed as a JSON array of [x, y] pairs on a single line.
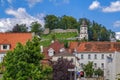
[[117, 35], [2, 56], [98, 61]]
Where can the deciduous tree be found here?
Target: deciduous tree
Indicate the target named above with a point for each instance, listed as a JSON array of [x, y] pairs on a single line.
[[88, 69], [20, 28], [36, 28], [23, 63], [60, 69]]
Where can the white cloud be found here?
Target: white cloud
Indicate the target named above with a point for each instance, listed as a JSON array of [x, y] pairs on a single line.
[[114, 7], [116, 24], [94, 5], [20, 16], [33, 2], [59, 2], [9, 1]]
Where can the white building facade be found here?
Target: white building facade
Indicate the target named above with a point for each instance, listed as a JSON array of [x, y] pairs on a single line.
[[98, 59], [104, 55]]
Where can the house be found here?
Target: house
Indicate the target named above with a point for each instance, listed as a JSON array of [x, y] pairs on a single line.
[[54, 48], [97, 52], [117, 35], [8, 41]]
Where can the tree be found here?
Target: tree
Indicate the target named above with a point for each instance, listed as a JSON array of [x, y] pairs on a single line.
[[99, 72], [47, 72], [20, 28], [88, 69], [60, 69], [68, 22], [23, 63], [36, 28], [51, 21]]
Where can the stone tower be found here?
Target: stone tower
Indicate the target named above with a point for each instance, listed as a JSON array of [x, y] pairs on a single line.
[[83, 31]]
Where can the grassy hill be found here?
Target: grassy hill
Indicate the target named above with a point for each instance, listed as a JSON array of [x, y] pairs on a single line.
[[62, 37]]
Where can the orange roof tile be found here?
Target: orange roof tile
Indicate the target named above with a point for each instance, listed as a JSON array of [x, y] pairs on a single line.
[[14, 38], [73, 45], [97, 46], [56, 46]]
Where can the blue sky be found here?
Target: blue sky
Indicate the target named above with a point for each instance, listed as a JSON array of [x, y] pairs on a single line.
[[105, 12]]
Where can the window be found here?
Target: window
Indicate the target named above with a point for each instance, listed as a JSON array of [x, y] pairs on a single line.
[[85, 28], [1, 59], [95, 56], [81, 65], [50, 52], [102, 56], [5, 47], [110, 55], [89, 56], [95, 65], [82, 57], [102, 65]]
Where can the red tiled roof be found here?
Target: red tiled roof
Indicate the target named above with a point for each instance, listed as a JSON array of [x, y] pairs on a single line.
[[97, 46], [73, 45], [13, 38], [56, 46]]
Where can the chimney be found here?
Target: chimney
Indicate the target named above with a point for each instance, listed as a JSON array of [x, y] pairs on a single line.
[[41, 48], [52, 41]]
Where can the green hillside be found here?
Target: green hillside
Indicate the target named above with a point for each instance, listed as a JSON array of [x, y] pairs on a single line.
[[62, 37]]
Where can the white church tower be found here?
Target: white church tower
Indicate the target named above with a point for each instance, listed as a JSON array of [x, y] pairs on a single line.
[[83, 31]]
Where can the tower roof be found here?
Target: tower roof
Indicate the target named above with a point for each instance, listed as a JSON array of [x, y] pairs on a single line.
[[83, 23]]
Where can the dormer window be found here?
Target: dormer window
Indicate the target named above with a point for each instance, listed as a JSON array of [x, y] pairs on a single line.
[[5, 47], [51, 52]]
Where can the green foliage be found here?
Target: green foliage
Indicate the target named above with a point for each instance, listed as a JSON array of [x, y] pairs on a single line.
[[68, 22], [60, 35], [88, 69], [1, 68], [60, 69], [19, 28], [51, 22], [97, 32], [47, 72], [23, 63], [64, 22], [99, 72], [63, 37], [36, 27]]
